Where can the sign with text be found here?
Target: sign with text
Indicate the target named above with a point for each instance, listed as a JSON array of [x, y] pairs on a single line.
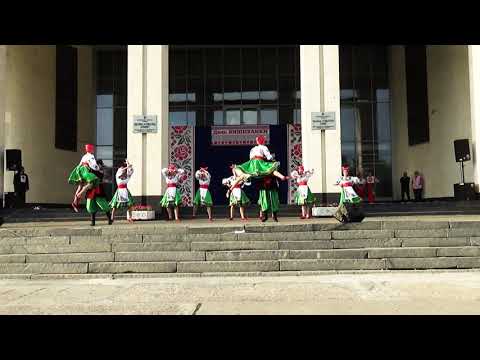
[[239, 135], [323, 121], [145, 124]]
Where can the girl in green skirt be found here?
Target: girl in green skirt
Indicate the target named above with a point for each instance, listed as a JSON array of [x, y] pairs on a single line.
[[83, 176], [203, 196], [122, 197], [172, 197], [303, 196], [236, 196]]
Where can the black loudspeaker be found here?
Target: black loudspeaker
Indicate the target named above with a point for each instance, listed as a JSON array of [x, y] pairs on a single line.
[[462, 150], [464, 191], [13, 159]]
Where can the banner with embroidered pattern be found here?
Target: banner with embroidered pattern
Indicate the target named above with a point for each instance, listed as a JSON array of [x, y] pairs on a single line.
[[294, 157], [181, 150]]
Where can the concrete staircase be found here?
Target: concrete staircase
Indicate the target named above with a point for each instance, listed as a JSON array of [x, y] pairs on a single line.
[[154, 249]]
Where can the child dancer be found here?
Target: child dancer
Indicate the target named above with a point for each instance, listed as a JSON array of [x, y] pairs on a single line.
[[371, 181], [353, 211], [236, 195], [172, 197], [268, 198], [122, 197], [346, 182], [303, 196], [203, 196], [82, 175]]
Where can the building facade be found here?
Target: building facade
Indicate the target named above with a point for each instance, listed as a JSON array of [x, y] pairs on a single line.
[[397, 108]]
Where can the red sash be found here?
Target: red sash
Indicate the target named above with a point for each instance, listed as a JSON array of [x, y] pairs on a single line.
[[347, 184], [258, 158], [302, 183], [237, 186], [122, 186], [203, 186], [172, 185]]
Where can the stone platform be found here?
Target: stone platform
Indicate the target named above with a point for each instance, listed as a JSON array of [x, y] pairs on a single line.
[[198, 247]]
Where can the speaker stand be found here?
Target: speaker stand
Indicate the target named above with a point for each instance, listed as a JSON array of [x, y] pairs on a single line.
[[462, 173]]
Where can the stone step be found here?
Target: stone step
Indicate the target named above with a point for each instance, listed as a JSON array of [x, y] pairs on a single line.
[[242, 266], [243, 255], [164, 232]]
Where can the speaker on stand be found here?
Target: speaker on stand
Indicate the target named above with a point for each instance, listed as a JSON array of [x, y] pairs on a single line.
[[462, 190]]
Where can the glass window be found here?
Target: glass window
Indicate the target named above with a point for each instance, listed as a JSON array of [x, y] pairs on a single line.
[[347, 116], [178, 118], [231, 62], [269, 116], [195, 90], [268, 90], [232, 90], [214, 62], [218, 117], [250, 117], [286, 61], [250, 63], [104, 101], [104, 152], [287, 91], [120, 128], [214, 91], [232, 117], [179, 62], [195, 63], [268, 61], [105, 126], [250, 93]]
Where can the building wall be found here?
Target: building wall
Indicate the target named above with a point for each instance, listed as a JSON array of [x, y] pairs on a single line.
[[30, 119], [449, 109]]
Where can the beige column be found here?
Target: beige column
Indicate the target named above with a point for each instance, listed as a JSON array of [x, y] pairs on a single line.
[[148, 95], [320, 91], [3, 95], [474, 80]]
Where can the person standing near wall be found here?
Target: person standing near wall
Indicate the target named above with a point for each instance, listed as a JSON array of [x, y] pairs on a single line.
[[21, 186], [372, 180], [417, 185], [405, 185]]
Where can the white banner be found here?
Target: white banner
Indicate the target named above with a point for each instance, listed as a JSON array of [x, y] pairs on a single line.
[[239, 135]]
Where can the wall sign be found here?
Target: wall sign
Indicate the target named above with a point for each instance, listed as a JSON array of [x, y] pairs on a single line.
[[145, 124], [323, 121]]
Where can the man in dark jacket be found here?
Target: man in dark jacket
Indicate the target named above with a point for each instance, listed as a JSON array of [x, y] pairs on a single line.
[[21, 186], [405, 184]]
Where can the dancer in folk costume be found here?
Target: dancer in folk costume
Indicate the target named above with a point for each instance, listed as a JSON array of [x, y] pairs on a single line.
[[371, 181], [203, 196], [236, 195], [97, 200], [361, 187], [346, 182], [303, 196], [122, 197], [260, 164], [83, 176], [172, 196], [268, 199], [348, 196]]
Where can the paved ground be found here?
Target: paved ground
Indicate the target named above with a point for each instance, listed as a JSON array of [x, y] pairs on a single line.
[[373, 293]]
